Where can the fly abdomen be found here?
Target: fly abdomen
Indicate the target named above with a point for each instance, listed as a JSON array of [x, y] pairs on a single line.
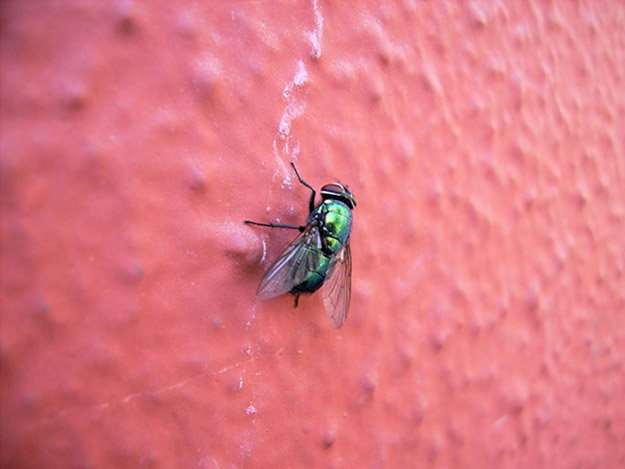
[[314, 277]]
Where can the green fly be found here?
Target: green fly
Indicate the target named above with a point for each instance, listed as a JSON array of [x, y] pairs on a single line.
[[320, 255]]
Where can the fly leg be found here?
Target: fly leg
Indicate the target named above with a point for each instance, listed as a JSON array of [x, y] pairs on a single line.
[[311, 204], [296, 300], [274, 225]]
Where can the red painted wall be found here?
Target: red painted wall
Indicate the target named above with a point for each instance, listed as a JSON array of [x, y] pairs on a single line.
[[485, 145]]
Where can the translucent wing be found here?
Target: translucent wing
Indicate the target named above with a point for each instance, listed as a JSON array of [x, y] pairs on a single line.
[[291, 268], [337, 289]]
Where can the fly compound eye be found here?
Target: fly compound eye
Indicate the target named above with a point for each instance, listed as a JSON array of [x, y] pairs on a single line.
[[336, 190]]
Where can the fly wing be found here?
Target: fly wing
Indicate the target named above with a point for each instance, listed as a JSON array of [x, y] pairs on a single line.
[[291, 268], [337, 289]]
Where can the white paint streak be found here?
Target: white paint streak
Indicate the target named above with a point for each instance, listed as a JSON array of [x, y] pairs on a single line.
[[252, 318], [317, 34], [149, 392], [284, 144], [128, 398]]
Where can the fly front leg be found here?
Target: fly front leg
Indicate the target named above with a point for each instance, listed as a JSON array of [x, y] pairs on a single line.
[[311, 204], [274, 225]]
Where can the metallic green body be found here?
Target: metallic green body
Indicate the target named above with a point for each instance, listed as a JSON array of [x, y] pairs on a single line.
[[334, 221]]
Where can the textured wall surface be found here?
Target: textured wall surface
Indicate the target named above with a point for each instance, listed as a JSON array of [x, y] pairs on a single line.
[[485, 145]]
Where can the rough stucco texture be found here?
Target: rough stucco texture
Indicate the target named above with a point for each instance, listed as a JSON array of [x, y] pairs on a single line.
[[485, 145]]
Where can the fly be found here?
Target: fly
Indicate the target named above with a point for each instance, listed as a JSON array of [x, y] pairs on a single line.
[[320, 255]]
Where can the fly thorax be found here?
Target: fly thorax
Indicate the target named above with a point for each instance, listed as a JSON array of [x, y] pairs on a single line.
[[336, 224]]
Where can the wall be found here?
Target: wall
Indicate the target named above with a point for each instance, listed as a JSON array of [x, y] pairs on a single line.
[[484, 143]]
